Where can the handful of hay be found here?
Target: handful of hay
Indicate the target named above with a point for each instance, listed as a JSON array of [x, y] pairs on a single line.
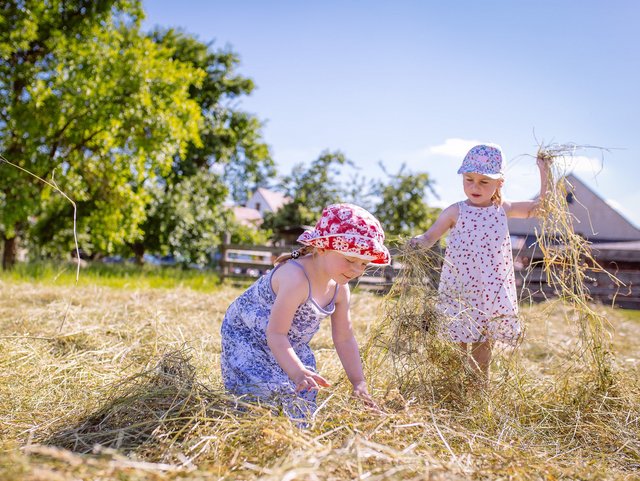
[[409, 342], [568, 261]]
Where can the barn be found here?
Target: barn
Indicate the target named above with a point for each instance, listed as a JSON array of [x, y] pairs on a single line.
[[615, 244]]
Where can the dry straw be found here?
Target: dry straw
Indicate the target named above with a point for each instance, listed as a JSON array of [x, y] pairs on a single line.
[[567, 263], [528, 399], [410, 338], [133, 390], [121, 397]]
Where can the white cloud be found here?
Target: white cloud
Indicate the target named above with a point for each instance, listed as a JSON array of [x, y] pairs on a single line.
[[457, 148], [580, 164], [453, 148], [439, 161]]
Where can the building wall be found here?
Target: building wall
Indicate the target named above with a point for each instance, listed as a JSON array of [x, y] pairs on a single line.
[[258, 202]]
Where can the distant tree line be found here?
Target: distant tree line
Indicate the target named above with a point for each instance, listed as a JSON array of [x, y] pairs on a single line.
[[144, 132]]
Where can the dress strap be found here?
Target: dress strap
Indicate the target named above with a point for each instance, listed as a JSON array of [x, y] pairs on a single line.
[[335, 294], [296, 263], [310, 298]]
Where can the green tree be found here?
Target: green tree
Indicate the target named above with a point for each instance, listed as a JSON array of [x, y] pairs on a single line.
[[85, 95], [311, 189], [230, 143], [186, 225], [231, 140], [401, 206], [243, 234]]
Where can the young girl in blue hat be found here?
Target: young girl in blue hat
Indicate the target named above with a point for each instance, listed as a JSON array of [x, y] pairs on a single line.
[[477, 289]]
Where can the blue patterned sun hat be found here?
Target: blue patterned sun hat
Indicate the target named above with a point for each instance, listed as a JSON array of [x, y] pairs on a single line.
[[484, 159]]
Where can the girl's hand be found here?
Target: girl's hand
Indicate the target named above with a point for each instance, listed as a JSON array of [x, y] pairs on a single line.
[[415, 242], [543, 159], [360, 391], [308, 379]]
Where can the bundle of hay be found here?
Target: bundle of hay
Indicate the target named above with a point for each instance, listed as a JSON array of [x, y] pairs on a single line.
[[568, 262]]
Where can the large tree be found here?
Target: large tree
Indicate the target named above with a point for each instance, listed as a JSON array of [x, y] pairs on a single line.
[[84, 94], [186, 214]]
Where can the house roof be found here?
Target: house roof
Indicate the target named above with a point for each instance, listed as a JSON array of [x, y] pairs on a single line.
[[274, 200], [593, 217], [247, 215]]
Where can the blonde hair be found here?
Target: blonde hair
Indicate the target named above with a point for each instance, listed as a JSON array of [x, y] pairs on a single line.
[[496, 198], [302, 251]]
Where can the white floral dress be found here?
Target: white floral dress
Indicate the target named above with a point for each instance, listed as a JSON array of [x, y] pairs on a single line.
[[249, 368], [477, 290]]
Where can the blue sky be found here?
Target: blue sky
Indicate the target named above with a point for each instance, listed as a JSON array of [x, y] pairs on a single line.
[[419, 82]]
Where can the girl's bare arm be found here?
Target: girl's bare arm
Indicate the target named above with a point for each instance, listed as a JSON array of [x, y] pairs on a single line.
[[528, 208], [445, 221], [292, 291]]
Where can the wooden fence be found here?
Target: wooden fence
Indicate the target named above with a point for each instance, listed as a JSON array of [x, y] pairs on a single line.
[[618, 284], [248, 262]]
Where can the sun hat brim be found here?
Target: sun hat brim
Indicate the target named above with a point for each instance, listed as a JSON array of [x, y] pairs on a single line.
[[472, 171], [351, 245]]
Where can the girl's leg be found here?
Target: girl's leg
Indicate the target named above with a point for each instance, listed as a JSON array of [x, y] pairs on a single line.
[[465, 359], [481, 355], [464, 351]]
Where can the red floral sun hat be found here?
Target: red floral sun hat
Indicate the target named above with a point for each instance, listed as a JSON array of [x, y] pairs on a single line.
[[351, 230]]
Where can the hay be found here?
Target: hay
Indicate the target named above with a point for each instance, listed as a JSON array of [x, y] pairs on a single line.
[[562, 378], [424, 365], [141, 368], [567, 262], [157, 407]]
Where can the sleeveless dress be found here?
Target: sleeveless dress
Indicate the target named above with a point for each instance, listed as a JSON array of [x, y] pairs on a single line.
[[249, 368], [477, 290]]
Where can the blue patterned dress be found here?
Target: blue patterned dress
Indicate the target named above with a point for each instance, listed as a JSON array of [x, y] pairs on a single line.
[[248, 366]]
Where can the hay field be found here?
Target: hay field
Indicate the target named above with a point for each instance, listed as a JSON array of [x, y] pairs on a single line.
[[129, 389]]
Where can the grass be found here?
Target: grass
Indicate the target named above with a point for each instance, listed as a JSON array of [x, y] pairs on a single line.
[[632, 315], [129, 389], [123, 276]]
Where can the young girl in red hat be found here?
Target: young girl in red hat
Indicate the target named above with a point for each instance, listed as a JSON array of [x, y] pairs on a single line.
[[266, 331]]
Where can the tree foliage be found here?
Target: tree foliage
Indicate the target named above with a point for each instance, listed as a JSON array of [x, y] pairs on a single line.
[[311, 188], [140, 130], [397, 200], [231, 140], [401, 207], [187, 226], [186, 214], [84, 95]]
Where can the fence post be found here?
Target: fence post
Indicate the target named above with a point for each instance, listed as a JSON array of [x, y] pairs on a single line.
[[224, 271]]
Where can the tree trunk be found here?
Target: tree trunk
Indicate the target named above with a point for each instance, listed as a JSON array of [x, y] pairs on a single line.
[[138, 251], [10, 253]]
